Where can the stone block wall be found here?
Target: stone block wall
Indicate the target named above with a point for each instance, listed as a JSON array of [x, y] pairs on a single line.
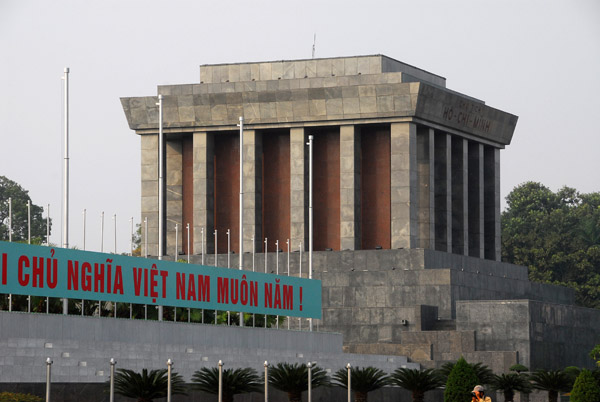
[[546, 335], [81, 347]]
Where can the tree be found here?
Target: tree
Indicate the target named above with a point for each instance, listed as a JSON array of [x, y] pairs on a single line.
[[234, 381], [484, 374], [586, 388], [19, 197], [595, 354], [293, 379], [557, 236], [417, 381], [518, 368], [363, 381], [461, 381], [148, 385], [553, 381], [509, 383], [137, 241]]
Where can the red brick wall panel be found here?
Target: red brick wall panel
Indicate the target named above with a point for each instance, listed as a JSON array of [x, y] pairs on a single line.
[[326, 189], [276, 188], [227, 189], [375, 188]]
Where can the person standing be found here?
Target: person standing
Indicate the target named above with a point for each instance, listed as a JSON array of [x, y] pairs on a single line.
[[478, 395]]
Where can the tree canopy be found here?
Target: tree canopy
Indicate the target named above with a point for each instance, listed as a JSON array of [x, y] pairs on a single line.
[[19, 198], [557, 236]]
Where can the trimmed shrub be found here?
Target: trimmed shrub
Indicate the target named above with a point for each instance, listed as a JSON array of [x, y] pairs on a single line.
[[586, 388], [461, 381], [15, 397]]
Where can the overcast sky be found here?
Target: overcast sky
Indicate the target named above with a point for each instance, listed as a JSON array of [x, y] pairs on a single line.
[[539, 60]]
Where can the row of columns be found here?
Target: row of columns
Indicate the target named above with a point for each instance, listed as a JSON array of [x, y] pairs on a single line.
[[444, 190], [459, 195]]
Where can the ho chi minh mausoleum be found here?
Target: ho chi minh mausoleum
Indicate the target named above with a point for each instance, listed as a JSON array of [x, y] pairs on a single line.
[[406, 203], [406, 229]]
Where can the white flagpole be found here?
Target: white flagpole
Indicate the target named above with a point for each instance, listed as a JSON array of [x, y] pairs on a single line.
[[160, 188], [84, 216], [66, 176], [28, 221], [10, 219], [241, 228], [310, 214], [48, 226], [66, 164], [115, 220]]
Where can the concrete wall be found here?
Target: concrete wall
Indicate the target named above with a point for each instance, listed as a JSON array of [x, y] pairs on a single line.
[[81, 347], [546, 335]]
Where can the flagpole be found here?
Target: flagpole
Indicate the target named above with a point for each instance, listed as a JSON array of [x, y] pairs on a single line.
[[241, 229], [160, 188], [66, 175]]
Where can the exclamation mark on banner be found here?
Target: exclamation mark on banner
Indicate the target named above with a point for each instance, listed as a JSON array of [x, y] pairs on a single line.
[[300, 298], [4, 269]]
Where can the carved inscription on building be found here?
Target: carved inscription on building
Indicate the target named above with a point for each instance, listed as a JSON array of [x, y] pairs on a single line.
[[467, 114]]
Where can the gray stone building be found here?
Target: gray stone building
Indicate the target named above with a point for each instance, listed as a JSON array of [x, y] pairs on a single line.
[[406, 204]]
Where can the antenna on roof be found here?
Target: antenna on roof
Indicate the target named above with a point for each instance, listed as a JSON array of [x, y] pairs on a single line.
[[314, 43]]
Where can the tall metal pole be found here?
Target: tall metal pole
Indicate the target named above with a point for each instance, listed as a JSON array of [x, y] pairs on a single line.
[[288, 274], [66, 164], [266, 381], [160, 176], [228, 248], [277, 273], [300, 276], [28, 221], [266, 249], [160, 187], [131, 237], [112, 379], [216, 238], [176, 241], [349, 368], [146, 237], [220, 381], [48, 374], [48, 226], [169, 368], [102, 232], [309, 382], [310, 214], [10, 219], [84, 217], [188, 242], [202, 245], [115, 220], [241, 228]]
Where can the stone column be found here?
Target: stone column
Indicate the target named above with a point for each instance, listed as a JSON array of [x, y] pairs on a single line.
[[476, 215], [298, 189], [203, 162], [149, 175], [252, 190], [498, 228], [404, 192], [174, 196], [460, 194], [492, 203], [443, 192], [426, 215], [349, 188]]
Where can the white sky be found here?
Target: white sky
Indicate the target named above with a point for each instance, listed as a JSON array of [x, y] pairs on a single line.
[[537, 59]]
